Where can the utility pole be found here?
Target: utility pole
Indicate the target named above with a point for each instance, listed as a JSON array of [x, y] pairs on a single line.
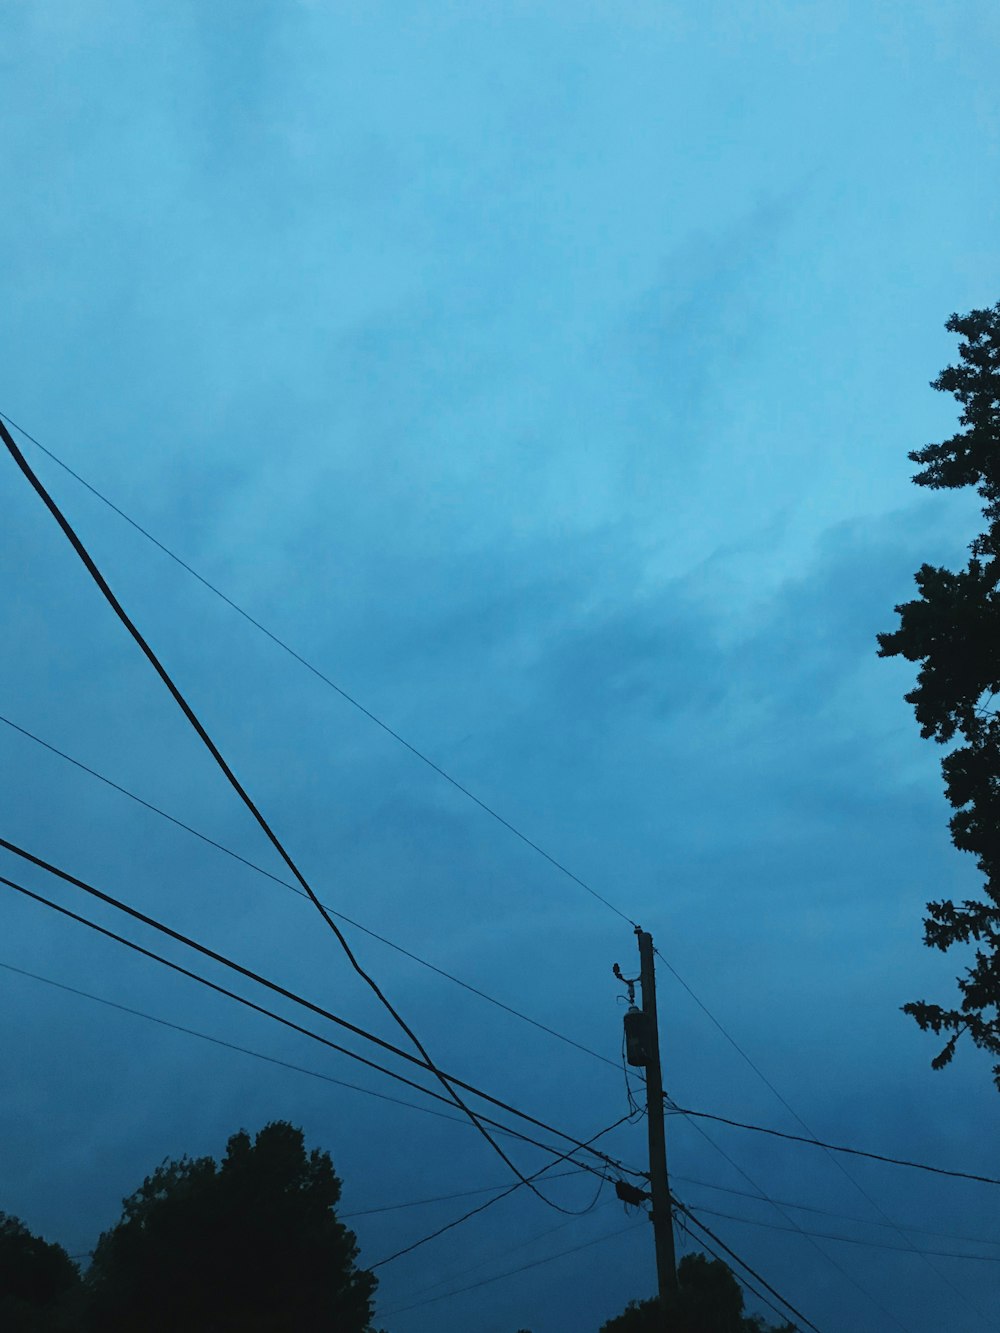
[[662, 1218], [643, 1043]]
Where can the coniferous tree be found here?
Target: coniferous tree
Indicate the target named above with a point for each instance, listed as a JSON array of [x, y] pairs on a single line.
[[953, 631]]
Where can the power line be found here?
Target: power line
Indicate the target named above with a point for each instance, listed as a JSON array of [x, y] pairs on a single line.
[[850, 1240], [348, 698], [459, 1194], [500, 1191], [834, 1147], [828, 1258], [266, 828], [499, 1254], [496, 1189], [450, 1226], [342, 916], [278, 1018], [826, 1212], [401, 740], [271, 1059], [836, 1161], [280, 990], [744, 1281], [498, 1277], [182, 703], [744, 1265]]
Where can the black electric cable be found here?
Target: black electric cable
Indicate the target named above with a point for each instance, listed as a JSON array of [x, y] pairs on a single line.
[[827, 1212], [447, 1198], [535, 1263], [856, 1184], [286, 1022], [743, 1281], [848, 1240], [348, 698], [233, 1046], [835, 1147], [455, 1274], [313, 1073], [744, 1265], [473, 1212], [188, 711], [341, 916], [284, 992], [259, 1055], [810, 1240]]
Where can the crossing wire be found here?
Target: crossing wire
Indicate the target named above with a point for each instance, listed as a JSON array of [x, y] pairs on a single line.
[[498, 1277], [276, 879], [344, 694], [259, 1055], [828, 1258], [182, 703], [349, 698], [473, 1212], [280, 990], [743, 1264], [907, 1242]]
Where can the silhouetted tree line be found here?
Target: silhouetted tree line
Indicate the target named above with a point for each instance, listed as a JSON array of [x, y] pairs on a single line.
[[252, 1244], [248, 1245]]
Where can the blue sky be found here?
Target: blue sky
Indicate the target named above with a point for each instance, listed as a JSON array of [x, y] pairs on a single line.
[[545, 374]]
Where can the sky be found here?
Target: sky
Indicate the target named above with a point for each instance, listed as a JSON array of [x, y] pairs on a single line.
[[544, 375]]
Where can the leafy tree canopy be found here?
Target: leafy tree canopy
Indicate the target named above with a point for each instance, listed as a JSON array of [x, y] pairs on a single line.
[[708, 1300], [39, 1283], [953, 630], [252, 1244]]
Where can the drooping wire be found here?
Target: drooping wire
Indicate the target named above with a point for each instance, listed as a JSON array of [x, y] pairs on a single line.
[[244, 795], [416, 752], [500, 1254], [435, 767], [473, 1212]]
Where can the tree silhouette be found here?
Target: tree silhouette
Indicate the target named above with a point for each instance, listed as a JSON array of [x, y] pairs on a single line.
[[39, 1283], [708, 1300], [252, 1244], [953, 631]]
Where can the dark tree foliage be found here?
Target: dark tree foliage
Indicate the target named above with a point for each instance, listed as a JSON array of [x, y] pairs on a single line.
[[708, 1300], [252, 1244], [953, 631], [39, 1283]]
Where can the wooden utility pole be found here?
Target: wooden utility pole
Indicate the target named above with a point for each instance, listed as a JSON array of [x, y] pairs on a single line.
[[642, 1047], [662, 1218], [642, 1043]]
